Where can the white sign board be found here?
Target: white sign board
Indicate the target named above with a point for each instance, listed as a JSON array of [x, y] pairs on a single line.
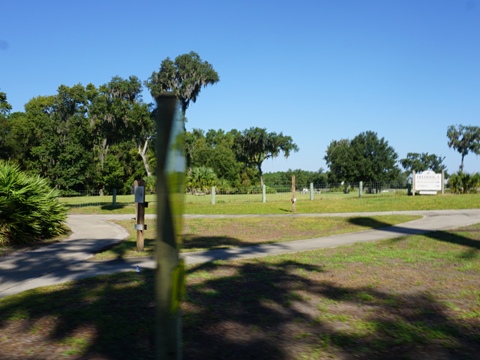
[[428, 181]]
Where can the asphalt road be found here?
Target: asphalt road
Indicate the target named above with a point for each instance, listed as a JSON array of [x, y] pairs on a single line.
[[69, 260]]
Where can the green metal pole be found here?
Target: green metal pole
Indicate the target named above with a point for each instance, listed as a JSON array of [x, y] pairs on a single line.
[[169, 280]]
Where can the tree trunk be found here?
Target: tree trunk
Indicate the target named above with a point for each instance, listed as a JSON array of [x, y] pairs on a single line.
[[103, 153], [143, 155]]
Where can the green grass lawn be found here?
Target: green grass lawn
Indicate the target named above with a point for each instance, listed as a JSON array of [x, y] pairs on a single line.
[[414, 297], [281, 204]]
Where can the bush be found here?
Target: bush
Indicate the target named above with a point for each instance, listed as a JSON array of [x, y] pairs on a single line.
[[257, 189], [463, 183], [29, 209]]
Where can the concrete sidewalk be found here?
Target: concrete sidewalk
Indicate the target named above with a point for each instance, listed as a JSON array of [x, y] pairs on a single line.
[[68, 260]]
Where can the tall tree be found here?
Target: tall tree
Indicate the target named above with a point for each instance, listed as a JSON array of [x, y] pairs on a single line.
[[5, 109], [464, 139], [338, 158], [185, 77], [421, 162], [365, 158], [118, 114], [214, 150], [255, 145]]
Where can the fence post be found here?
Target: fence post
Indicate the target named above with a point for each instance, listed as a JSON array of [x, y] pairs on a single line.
[[360, 189], [294, 199], [264, 193], [443, 182], [311, 191], [413, 183], [114, 197], [213, 195]]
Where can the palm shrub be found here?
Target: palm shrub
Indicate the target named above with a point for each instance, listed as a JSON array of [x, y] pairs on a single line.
[[462, 183], [201, 179], [29, 209]]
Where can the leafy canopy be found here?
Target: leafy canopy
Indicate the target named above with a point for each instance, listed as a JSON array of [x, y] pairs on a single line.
[[185, 77], [253, 146], [464, 139], [365, 158], [421, 162]]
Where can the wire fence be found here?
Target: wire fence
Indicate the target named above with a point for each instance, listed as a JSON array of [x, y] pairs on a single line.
[[218, 195]]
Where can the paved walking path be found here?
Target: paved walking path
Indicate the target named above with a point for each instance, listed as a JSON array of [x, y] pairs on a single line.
[[68, 260]]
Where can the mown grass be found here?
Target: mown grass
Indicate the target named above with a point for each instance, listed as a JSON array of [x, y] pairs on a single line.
[[214, 233], [281, 204], [413, 297]]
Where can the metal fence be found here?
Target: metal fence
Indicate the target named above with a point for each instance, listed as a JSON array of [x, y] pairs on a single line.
[[277, 192]]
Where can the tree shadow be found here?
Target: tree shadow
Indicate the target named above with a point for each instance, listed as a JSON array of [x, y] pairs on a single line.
[[271, 311], [112, 314], [452, 237], [103, 205], [190, 241], [275, 309], [114, 207]]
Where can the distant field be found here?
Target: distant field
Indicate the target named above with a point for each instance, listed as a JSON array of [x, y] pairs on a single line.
[[281, 203]]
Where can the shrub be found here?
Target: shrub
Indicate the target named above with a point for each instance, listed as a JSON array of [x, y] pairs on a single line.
[[29, 209], [463, 183], [257, 189]]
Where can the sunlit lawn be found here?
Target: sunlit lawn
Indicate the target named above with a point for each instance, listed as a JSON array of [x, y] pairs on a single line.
[[281, 204]]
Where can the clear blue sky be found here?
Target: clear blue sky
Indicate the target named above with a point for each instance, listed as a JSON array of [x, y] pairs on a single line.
[[317, 70]]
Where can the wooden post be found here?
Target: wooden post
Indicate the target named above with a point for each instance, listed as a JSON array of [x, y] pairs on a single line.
[[140, 210], [413, 183], [311, 191], [294, 199], [443, 182]]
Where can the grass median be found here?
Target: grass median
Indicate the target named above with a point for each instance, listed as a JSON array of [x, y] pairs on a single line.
[[213, 233]]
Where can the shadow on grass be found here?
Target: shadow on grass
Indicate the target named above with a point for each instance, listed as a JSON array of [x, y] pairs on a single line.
[[112, 207], [242, 310], [268, 311], [190, 241], [452, 237], [102, 205]]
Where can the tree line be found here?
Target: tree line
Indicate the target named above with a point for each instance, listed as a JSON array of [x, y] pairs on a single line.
[[102, 138]]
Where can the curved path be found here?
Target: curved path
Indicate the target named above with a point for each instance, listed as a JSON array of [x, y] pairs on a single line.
[[67, 260]]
